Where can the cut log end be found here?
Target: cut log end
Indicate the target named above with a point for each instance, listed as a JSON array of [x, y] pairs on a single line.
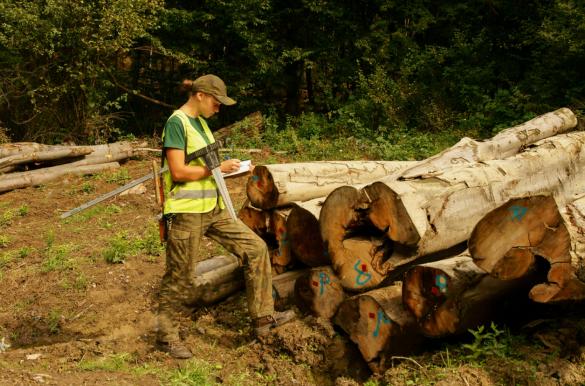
[[388, 214], [305, 238], [497, 240], [562, 285], [319, 292], [514, 264], [261, 189], [255, 219], [353, 264]]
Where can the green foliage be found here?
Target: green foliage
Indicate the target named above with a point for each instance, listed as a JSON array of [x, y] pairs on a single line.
[[119, 177], [487, 343], [60, 59], [114, 362], [193, 373], [9, 215], [120, 247], [4, 241], [57, 257], [90, 71], [123, 246], [54, 321]]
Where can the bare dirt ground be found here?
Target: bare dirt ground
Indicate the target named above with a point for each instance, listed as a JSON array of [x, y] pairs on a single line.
[[69, 317]]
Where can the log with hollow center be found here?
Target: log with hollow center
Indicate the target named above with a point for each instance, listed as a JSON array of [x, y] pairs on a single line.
[[507, 240], [451, 296]]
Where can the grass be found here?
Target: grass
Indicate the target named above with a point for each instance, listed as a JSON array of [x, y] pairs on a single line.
[[190, 373], [9, 215], [193, 373], [94, 211], [58, 258], [120, 177], [114, 362], [122, 246]]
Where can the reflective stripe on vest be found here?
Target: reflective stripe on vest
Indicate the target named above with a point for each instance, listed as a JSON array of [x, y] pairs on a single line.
[[183, 193], [199, 196]]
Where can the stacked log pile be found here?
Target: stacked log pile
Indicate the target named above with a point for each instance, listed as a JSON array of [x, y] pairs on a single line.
[[26, 164], [431, 248]]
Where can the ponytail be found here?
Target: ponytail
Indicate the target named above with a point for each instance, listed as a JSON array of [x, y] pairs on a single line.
[[187, 86]]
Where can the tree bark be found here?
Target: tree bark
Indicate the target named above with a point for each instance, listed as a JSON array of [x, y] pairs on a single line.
[[505, 144], [281, 256], [26, 179], [214, 279], [507, 242], [377, 323], [277, 185], [451, 296], [40, 156], [319, 292], [283, 287], [217, 278], [436, 213], [102, 154]]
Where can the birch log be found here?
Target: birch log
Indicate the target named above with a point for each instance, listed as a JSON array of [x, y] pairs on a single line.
[[276, 185], [436, 213], [377, 323], [19, 148], [102, 154], [26, 179], [451, 296], [214, 279], [505, 144], [509, 239], [49, 155], [319, 293]]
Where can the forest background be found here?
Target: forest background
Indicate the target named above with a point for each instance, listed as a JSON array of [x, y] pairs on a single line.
[[391, 79]]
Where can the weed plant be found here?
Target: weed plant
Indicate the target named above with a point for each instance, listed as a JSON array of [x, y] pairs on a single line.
[[312, 137]]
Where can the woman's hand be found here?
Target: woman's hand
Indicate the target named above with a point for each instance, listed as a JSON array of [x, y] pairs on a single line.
[[230, 165]]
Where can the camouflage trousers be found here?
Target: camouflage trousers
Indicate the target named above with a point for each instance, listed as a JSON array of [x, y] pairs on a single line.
[[182, 253]]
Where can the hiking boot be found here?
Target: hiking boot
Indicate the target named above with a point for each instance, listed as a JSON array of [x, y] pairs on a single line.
[[176, 349], [263, 325]]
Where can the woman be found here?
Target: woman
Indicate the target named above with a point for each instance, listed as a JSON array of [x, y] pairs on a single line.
[[194, 208]]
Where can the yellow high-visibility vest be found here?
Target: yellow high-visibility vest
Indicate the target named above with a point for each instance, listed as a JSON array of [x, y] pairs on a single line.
[[199, 196]]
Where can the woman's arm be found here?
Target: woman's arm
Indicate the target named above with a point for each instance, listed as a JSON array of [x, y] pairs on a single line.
[[184, 173]]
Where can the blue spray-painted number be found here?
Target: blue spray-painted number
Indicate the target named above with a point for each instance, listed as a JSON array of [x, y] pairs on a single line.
[[363, 277], [518, 212], [441, 282], [323, 280], [283, 243], [381, 319]]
